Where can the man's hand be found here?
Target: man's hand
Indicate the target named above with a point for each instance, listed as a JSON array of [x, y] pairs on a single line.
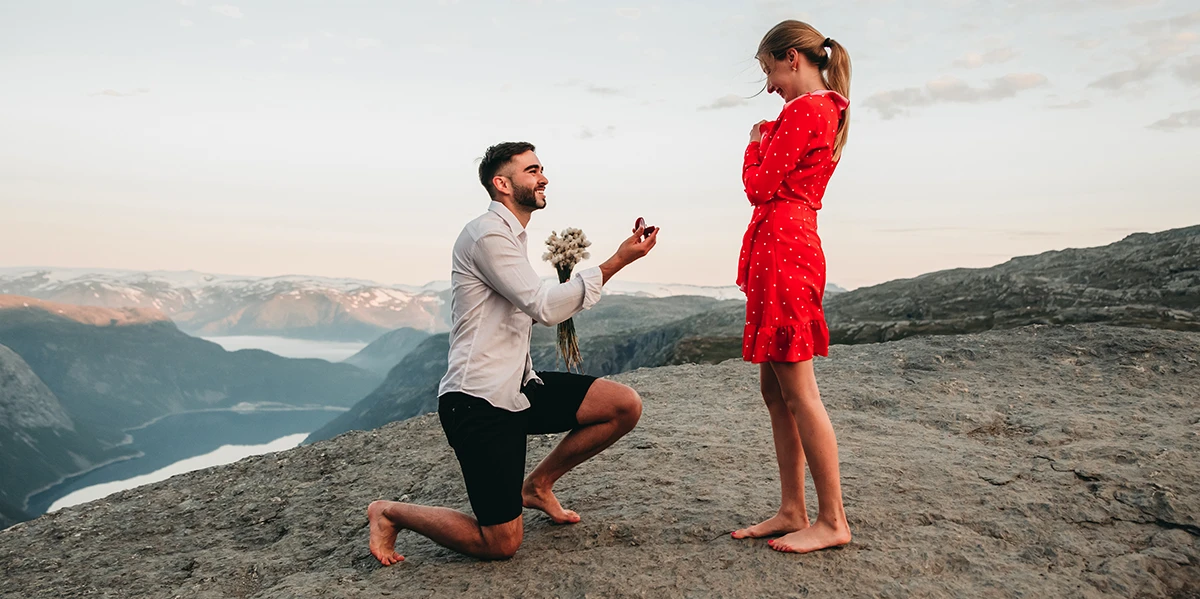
[[631, 250]]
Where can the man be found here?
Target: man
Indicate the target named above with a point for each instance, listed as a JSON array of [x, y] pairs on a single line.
[[490, 398]]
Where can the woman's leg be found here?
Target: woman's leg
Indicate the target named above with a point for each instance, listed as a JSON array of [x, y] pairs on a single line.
[[789, 452], [798, 384]]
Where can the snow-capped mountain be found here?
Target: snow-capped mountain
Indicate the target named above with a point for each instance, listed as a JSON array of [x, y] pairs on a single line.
[[210, 304]]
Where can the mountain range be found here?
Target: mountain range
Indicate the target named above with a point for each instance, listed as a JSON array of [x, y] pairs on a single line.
[[302, 307]]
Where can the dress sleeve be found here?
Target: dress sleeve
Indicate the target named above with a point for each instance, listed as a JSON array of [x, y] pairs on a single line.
[[764, 169]]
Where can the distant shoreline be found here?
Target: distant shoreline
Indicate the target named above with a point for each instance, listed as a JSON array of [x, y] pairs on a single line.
[[250, 408]]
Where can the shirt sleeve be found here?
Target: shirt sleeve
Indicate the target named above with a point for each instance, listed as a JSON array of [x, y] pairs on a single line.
[[764, 169], [506, 269]]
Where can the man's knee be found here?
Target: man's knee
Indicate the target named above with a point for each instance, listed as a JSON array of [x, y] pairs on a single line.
[[629, 407], [504, 543]]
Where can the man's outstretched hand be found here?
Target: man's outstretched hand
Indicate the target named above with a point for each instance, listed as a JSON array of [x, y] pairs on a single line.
[[632, 249]]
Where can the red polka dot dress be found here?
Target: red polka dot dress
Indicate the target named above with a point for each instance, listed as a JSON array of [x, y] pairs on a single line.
[[782, 267]]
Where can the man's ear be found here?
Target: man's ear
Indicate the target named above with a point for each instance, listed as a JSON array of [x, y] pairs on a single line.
[[502, 184]]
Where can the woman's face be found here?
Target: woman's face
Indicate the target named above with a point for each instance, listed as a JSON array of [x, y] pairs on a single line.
[[781, 77]]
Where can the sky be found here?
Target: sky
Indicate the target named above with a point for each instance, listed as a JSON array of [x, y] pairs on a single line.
[[342, 138]]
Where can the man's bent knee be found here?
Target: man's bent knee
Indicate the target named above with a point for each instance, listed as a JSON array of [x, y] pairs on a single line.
[[629, 407], [503, 540]]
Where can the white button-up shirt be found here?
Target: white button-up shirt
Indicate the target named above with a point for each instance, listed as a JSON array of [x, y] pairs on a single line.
[[496, 298]]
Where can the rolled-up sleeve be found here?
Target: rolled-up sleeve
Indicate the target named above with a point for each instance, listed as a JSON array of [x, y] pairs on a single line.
[[505, 267]]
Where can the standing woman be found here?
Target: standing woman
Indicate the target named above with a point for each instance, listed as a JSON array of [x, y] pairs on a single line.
[[782, 271]]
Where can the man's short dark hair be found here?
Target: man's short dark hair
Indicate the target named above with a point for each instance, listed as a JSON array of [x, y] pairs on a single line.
[[496, 157]]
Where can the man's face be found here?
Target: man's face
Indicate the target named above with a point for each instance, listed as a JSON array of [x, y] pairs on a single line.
[[528, 181]]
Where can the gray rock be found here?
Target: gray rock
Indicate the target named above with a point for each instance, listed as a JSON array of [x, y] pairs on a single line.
[[1143, 280]]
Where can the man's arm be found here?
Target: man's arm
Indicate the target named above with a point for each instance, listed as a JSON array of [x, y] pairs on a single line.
[[506, 269]]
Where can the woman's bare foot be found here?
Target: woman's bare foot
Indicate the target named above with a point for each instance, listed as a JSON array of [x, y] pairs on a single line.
[[814, 538], [778, 524], [383, 534], [535, 498]]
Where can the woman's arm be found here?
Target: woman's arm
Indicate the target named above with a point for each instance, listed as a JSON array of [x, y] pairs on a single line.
[[764, 169]]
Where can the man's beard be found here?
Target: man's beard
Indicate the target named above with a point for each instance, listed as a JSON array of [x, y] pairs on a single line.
[[527, 197]]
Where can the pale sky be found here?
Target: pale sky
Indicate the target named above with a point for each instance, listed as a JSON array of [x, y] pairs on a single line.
[[341, 138]]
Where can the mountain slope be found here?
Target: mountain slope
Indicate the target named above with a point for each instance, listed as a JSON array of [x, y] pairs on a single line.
[[39, 442], [382, 354], [127, 373], [1146, 279], [73, 378]]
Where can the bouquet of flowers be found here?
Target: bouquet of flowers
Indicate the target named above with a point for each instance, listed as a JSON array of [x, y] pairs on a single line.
[[566, 250]]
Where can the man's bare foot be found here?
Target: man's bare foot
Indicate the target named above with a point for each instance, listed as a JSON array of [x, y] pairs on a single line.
[[774, 526], [383, 534], [534, 498], [814, 538]]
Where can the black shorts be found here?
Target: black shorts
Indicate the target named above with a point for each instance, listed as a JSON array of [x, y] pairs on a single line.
[[490, 442]]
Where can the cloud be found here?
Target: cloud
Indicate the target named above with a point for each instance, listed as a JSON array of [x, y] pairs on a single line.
[[728, 101], [629, 13], [1076, 105], [1158, 27], [592, 88], [600, 90], [232, 12], [1120, 79], [586, 133], [1189, 119], [975, 60], [245, 43], [299, 46], [112, 93], [1056, 6], [1189, 71], [363, 43], [186, 2], [185, 23], [1165, 39], [946, 90]]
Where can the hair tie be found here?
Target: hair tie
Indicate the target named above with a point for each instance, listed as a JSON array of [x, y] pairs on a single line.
[[828, 43]]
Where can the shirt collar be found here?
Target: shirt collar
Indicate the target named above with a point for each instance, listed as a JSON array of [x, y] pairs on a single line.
[[508, 216]]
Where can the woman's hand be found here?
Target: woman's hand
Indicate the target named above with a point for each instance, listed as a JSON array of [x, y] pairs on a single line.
[[756, 132]]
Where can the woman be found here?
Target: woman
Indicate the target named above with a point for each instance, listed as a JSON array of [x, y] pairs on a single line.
[[782, 271]]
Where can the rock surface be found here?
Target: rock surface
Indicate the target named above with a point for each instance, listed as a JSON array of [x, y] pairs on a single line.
[[1146, 279], [1040, 461]]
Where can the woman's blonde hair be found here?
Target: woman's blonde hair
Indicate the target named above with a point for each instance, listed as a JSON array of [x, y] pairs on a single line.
[[810, 43]]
